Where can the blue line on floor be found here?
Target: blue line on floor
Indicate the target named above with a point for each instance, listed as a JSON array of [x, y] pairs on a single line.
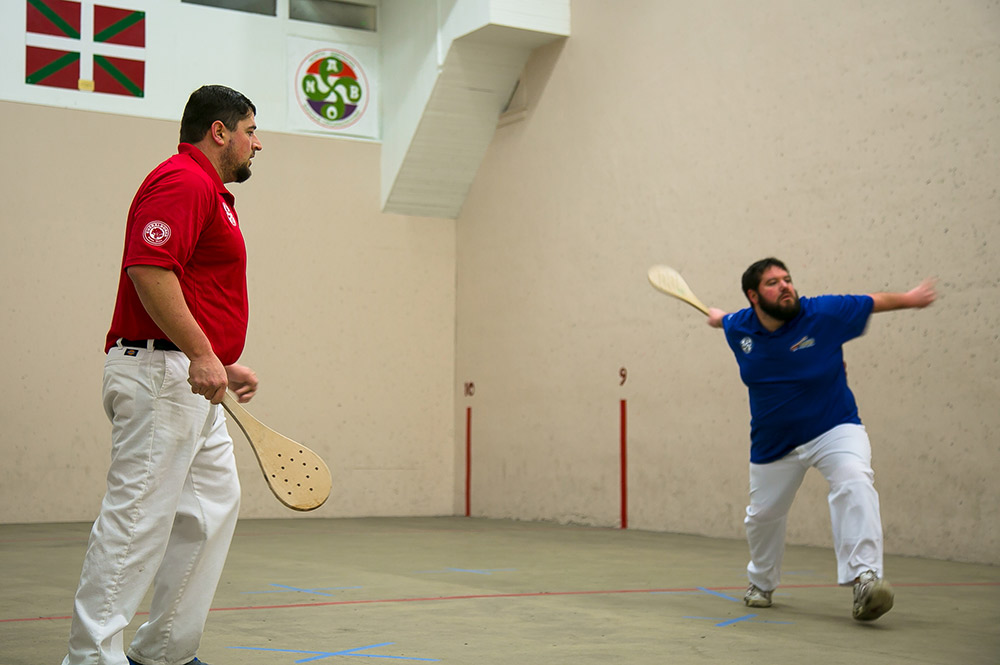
[[729, 622], [283, 588], [481, 571], [320, 655], [718, 593]]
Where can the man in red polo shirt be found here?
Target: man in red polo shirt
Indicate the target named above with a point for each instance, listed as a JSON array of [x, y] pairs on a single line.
[[178, 329]]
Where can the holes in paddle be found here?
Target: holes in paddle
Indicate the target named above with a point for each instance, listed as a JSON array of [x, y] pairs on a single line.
[[288, 480]]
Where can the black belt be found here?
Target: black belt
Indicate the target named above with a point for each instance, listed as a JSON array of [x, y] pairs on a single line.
[[158, 344]]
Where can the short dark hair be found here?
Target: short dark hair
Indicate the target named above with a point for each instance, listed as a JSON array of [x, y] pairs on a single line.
[[210, 103], [752, 275]]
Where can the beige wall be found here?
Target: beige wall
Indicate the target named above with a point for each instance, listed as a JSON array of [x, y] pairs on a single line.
[[855, 140], [352, 315]]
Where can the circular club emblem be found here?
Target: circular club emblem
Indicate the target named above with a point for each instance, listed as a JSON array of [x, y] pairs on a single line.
[[332, 89], [746, 344], [156, 233]]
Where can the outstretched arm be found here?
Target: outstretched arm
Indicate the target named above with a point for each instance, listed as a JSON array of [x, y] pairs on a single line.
[[918, 297], [715, 317]]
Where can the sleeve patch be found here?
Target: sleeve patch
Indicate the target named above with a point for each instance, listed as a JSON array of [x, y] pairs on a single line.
[[156, 233]]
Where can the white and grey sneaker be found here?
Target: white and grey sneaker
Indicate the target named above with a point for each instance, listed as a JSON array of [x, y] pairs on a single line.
[[872, 596], [757, 597]]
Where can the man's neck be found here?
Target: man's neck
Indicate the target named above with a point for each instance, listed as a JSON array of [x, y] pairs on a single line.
[[766, 320], [213, 154]]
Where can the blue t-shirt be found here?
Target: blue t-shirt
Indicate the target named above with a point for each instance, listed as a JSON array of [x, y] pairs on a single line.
[[795, 375]]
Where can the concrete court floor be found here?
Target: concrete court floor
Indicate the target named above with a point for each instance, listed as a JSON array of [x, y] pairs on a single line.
[[473, 591]]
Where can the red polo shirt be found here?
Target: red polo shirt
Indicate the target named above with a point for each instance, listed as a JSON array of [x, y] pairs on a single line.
[[183, 219]]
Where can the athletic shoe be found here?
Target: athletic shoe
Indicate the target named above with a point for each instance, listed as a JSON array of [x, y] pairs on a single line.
[[190, 662], [757, 597], [872, 596]]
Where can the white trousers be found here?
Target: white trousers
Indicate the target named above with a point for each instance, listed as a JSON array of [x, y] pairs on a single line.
[[843, 455], [166, 520]]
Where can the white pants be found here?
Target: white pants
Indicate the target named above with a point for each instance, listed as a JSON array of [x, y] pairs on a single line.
[[166, 520], [843, 455]]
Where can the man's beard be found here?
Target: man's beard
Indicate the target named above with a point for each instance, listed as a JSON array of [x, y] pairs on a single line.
[[779, 310], [238, 172], [242, 173]]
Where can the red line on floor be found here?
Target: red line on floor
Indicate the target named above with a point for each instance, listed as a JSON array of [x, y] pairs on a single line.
[[533, 594]]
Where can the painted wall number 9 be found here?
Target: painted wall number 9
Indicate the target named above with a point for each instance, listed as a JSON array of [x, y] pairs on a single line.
[[623, 373]]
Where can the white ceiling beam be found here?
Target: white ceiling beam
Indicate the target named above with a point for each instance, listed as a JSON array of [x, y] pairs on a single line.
[[429, 161]]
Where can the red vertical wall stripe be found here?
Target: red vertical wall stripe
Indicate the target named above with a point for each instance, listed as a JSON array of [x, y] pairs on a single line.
[[468, 461], [624, 465]]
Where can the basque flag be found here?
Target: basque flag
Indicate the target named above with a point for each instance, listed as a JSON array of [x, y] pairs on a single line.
[[85, 46]]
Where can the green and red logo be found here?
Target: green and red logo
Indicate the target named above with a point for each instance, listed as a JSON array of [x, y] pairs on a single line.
[[85, 46], [332, 88]]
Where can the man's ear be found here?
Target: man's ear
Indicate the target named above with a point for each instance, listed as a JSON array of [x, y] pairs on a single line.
[[752, 296], [218, 132]]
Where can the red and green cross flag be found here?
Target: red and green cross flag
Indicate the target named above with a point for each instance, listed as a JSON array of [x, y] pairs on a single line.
[[82, 45]]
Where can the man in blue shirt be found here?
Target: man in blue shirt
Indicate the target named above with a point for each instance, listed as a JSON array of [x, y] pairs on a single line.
[[802, 414]]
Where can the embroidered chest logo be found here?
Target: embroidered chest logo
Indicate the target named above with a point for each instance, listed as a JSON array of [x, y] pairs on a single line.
[[156, 233], [803, 343], [746, 344], [229, 214]]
